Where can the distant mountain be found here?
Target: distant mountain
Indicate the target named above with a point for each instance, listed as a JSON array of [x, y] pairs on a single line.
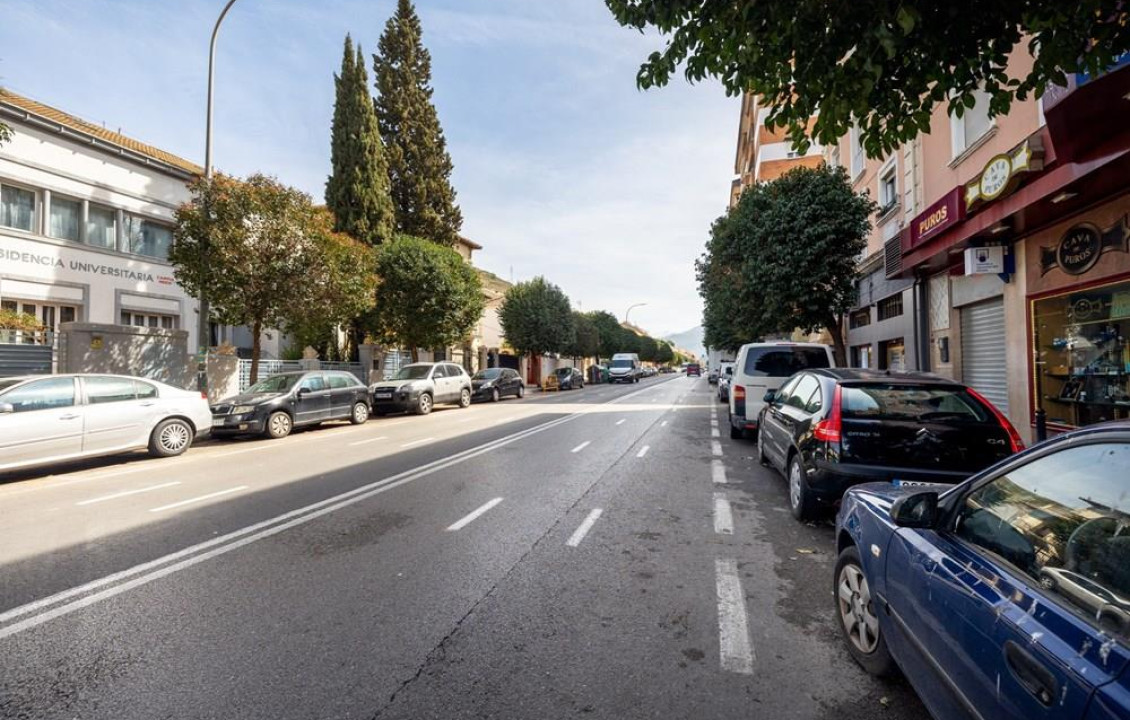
[[689, 340]]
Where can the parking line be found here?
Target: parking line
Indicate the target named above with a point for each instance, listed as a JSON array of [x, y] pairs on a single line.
[[582, 530], [643, 451], [735, 649], [663, 424], [620, 421], [581, 447], [474, 515], [716, 448], [723, 515], [370, 440], [126, 493], [714, 432], [718, 472], [190, 501], [417, 442]]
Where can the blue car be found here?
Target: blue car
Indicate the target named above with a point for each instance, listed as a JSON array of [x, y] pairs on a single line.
[[1004, 597]]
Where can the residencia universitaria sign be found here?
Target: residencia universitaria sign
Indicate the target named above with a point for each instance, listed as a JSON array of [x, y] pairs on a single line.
[[41, 260]]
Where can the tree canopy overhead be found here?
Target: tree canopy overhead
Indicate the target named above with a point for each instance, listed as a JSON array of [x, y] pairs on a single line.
[[884, 65], [536, 318]]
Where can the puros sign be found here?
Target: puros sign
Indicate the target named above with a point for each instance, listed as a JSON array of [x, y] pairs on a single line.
[[936, 219], [1002, 174]]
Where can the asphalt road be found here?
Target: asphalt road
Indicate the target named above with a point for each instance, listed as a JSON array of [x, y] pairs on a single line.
[[602, 553]]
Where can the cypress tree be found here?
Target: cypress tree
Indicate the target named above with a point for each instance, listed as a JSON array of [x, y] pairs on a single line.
[[357, 191], [419, 165]]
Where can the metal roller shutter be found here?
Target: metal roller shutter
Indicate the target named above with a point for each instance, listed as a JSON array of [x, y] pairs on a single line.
[[983, 361]]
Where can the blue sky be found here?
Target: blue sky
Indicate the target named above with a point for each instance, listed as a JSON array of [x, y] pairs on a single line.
[[563, 168]]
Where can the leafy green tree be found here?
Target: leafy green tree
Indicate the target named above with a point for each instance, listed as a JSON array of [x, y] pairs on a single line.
[[357, 191], [666, 354], [609, 330], [648, 349], [419, 164], [536, 318], [790, 247], [427, 295], [586, 337], [883, 65], [265, 254]]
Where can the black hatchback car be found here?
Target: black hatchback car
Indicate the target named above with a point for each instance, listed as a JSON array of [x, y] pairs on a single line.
[[276, 405], [829, 429], [493, 384], [570, 378]]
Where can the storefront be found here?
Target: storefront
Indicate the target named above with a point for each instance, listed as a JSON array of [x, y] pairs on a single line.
[[1079, 310]]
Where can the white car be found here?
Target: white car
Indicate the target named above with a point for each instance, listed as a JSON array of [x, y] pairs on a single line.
[[49, 418], [760, 367]]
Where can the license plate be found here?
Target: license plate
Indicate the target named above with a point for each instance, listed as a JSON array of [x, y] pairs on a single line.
[[217, 422], [909, 483], [383, 396]]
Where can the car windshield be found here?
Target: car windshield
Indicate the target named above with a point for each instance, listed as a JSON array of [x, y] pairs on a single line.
[[5, 384], [784, 361], [564, 371], [274, 384], [491, 374], [910, 402], [621, 364], [413, 372]]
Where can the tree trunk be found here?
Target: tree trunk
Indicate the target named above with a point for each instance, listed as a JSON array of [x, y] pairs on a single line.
[[835, 328], [256, 331], [415, 354]]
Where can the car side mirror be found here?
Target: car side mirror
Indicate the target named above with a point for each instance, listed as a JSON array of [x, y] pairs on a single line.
[[919, 510], [303, 392], [770, 396], [6, 408]]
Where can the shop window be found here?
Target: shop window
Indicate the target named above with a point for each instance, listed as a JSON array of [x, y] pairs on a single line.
[[861, 356], [101, 227], [1082, 342], [860, 318], [146, 237], [152, 320], [890, 307], [65, 219], [892, 355], [17, 208], [973, 124]]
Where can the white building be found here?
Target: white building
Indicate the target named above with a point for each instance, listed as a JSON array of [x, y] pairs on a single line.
[[86, 222]]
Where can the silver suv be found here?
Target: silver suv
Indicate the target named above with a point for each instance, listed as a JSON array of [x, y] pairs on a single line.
[[419, 387]]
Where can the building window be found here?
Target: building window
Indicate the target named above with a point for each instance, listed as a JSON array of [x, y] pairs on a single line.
[[888, 189], [145, 237], [890, 307], [860, 318], [102, 227], [152, 320], [834, 157], [861, 356], [17, 208], [65, 219], [892, 355], [973, 124], [857, 157]]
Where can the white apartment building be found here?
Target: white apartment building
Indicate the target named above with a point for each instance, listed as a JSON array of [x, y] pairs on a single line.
[[86, 222]]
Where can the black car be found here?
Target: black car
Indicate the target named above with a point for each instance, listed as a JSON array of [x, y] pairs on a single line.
[[496, 383], [569, 378], [829, 429], [282, 402]]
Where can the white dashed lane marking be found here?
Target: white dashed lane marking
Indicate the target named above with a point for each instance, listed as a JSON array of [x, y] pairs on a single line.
[[579, 534]]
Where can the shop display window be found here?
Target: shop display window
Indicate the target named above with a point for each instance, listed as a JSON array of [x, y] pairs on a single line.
[[1082, 352]]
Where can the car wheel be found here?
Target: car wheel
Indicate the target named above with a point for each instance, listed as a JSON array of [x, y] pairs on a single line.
[[736, 433], [495, 396], [170, 438], [800, 497], [464, 398], [279, 425], [360, 414], [858, 619], [521, 391], [424, 404]]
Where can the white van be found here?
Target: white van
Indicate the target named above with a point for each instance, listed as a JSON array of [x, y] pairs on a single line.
[[766, 366], [625, 367]]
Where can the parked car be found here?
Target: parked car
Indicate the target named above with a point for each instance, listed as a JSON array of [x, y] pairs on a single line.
[[725, 376], [765, 366], [712, 376], [829, 429], [1003, 597], [419, 387], [496, 383], [694, 369], [276, 405], [625, 367], [45, 419], [569, 378]]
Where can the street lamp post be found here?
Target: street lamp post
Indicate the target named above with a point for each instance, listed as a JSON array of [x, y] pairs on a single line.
[[203, 327], [629, 310]]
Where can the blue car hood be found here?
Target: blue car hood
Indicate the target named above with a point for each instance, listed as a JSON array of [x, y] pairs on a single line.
[[881, 495]]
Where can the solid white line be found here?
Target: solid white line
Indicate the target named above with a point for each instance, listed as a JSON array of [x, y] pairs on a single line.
[[663, 424], [473, 516], [643, 451], [579, 534], [370, 440], [581, 447], [716, 448], [723, 516], [620, 421], [417, 442], [190, 501], [735, 650], [718, 472], [126, 493]]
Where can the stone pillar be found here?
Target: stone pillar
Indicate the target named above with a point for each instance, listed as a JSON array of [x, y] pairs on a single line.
[[372, 362]]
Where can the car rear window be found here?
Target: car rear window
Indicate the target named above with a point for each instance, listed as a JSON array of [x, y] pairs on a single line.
[[912, 402], [784, 361]]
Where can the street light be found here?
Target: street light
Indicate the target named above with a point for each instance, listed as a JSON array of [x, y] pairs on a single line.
[[203, 327], [629, 310]]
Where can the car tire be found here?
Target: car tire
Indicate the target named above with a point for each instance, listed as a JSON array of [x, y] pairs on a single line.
[[521, 391], [801, 501], [170, 438], [279, 425], [495, 395], [736, 433], [360, 414], [464, 398], [855, 611], [423, 404]]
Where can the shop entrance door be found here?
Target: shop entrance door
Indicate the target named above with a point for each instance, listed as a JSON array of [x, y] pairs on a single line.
[[983, 354]]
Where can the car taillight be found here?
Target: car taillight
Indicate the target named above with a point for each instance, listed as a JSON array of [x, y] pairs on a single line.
[[739, 393], [831, 428], [1013, 436]]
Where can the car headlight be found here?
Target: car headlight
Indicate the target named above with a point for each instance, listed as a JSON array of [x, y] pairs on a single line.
[[241, 409]]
